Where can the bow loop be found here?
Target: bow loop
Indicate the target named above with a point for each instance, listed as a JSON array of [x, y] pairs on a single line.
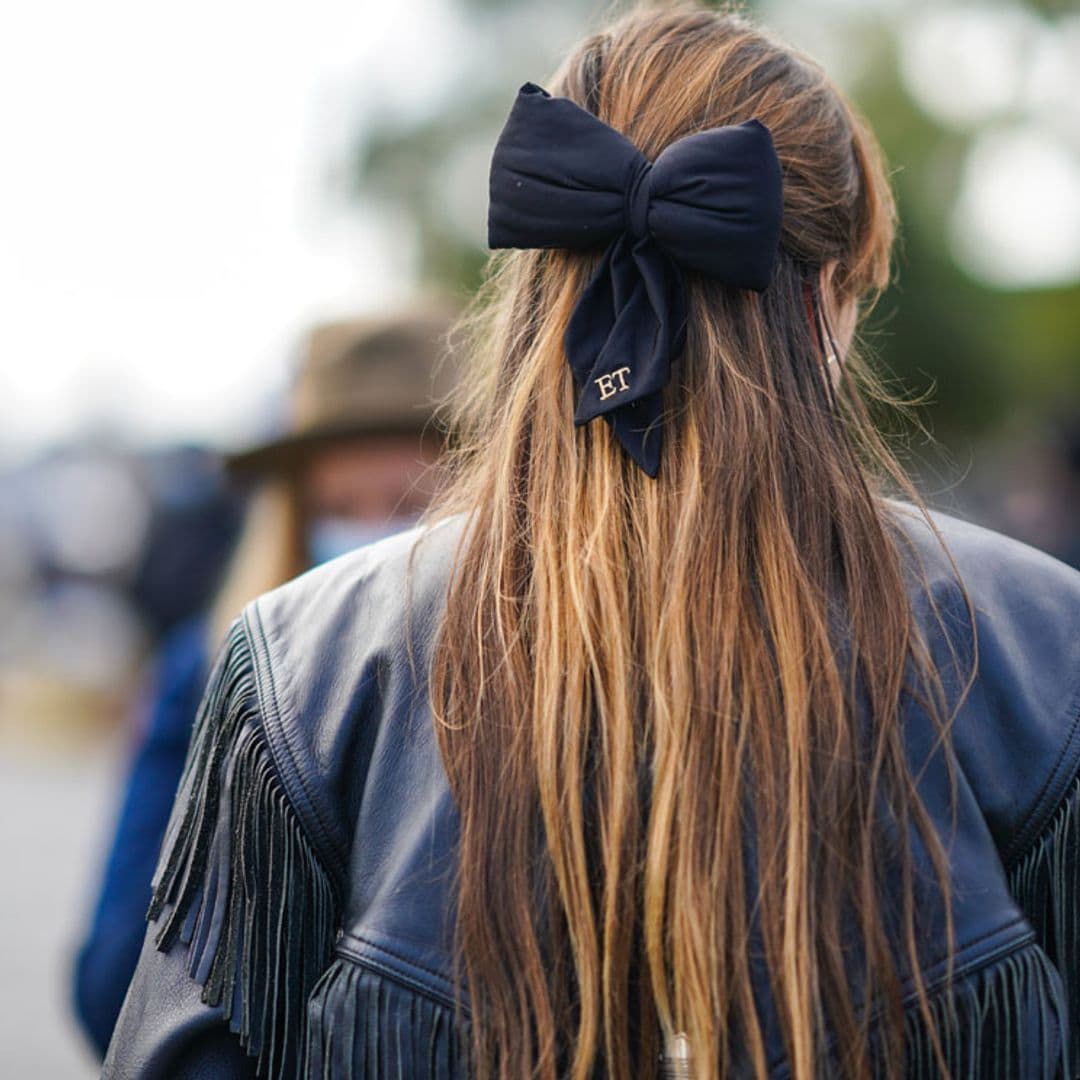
[[712, 203]]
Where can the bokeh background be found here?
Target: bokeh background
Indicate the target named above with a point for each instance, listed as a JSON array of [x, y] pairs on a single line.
[[186, 188]]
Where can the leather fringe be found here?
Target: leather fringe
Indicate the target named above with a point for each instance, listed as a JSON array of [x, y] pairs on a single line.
[[366, 1027], [1046, 885], [1002, 1022], [239, 883], [241, 886]]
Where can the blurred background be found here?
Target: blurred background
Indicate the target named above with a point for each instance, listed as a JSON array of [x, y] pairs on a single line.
[[187, 189]]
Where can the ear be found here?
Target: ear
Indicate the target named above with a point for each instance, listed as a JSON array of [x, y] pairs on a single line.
[[841, 320], [825, 282]]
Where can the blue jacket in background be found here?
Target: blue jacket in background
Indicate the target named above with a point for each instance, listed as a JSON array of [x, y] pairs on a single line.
[[110, 951]]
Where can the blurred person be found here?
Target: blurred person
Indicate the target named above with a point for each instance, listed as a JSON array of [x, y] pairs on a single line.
[[80, 529], [669, 743], [353, 466], [192, 529]]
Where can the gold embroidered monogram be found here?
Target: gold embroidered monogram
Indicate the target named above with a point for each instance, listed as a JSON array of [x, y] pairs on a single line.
[[607, 383]]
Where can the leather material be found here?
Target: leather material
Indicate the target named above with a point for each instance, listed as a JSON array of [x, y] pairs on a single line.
[[165, 1030], [340, 658]]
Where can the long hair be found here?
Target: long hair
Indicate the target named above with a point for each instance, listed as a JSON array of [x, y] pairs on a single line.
[[269, 552], [648, 692]]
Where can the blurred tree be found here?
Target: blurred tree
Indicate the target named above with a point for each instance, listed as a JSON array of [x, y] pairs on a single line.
[[423, 171], [997, 360], [996, 357]]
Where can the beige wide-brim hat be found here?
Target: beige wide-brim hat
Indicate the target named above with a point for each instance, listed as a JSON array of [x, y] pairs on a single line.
[[366, 377]]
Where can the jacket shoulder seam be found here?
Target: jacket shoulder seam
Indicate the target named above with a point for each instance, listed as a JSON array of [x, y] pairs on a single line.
[[321, 831], [354, 949], [1053, 792]]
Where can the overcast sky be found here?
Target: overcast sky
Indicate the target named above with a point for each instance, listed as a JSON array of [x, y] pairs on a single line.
[[171, 200], [172, 203]]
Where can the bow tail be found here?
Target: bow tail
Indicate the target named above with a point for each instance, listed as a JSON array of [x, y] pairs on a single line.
[[593, 317], [639, 430], [665, 285], [620, 341]]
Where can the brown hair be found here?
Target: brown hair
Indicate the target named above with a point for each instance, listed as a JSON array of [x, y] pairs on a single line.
[[639, 681]]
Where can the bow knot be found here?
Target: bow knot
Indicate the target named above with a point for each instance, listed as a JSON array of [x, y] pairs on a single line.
[[638, 194], [711, 202]]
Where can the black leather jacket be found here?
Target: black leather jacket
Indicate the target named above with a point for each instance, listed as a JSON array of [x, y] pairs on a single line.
[[302, 919]]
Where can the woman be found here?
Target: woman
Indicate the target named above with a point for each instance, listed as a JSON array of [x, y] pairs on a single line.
[[670, 744]]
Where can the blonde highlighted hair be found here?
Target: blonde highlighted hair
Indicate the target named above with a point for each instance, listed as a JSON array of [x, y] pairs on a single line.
[[646, 689]]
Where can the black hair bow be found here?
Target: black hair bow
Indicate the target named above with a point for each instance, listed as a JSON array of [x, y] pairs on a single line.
[[711, 202]]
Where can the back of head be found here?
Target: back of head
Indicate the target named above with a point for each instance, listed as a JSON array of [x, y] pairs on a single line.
[[628, 665]]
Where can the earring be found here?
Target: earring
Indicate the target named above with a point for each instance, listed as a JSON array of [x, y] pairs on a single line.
[[830, 358]]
